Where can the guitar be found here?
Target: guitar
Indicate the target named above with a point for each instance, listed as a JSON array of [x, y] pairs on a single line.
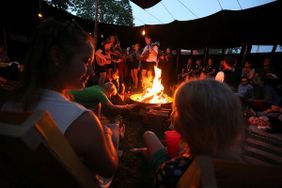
[[103, 59], [117, 56], [146, 54]]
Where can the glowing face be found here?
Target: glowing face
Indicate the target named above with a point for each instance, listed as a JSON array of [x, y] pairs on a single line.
[[168, 51], [112, 39], [136, 47], [210, 61], [108, 46], [77, 73], [147, 40]]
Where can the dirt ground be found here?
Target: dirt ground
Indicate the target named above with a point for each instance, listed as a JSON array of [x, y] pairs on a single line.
[[134, 171]]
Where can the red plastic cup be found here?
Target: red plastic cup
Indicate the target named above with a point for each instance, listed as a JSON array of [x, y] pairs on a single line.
[[172, 139]]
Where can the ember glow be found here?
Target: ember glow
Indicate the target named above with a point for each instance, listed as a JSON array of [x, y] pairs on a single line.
[[153, 94]]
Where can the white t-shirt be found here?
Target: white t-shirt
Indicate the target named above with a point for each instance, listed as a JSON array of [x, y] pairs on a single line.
[[63, 111], [152, 57]]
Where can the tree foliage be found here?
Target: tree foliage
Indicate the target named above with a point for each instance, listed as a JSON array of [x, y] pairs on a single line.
[[117, 12], [62, 4]]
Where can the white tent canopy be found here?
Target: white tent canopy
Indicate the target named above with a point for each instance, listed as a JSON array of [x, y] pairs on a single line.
[[167, 11]]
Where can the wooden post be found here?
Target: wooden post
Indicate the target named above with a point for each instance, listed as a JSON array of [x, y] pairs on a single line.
[[205, 55]]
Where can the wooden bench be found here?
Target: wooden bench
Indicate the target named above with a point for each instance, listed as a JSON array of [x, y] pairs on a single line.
[[205, 172]]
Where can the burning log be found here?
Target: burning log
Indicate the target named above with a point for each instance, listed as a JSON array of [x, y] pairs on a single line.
[[147, 99], [154, 94]]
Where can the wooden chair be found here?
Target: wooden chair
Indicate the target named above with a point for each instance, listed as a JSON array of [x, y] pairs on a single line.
[[34, 153], [205, 172]]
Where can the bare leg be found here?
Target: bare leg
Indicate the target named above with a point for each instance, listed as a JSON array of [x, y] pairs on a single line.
[[102, 78], [135, 75], [132, 76], [115, 133], [150, 74], [109, 74], [143, 76], [152, 142]]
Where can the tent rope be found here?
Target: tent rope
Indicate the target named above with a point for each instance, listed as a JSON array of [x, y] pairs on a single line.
[[187, 8], [220, 4], [239, 4], [153, 16], [167, 10]]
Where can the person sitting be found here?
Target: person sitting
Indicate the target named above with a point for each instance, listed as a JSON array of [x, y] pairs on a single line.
[[201, 119], [245, 89], [115, 79], [270, 118], [9, 72], [59, 59], [248, 71], [3, 54], [209, 70], [98, 97]]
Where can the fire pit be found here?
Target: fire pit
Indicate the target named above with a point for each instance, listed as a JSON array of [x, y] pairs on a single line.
[[153, 94], [151, 99]]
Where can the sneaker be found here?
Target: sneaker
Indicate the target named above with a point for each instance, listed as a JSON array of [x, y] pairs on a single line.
[[104, 182], [138, 150], [120, 152]]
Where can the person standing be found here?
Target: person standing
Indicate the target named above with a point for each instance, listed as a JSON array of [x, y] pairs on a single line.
[[103, 60], [149, 58], [134, 64], [227, 75]]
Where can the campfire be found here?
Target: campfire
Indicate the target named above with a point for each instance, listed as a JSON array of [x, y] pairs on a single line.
[[153, 94]]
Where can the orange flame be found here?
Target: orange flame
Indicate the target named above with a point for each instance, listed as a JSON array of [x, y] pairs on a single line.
[[153, 94]]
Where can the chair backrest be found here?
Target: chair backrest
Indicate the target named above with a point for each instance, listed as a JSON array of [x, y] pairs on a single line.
[[34, 153], [205, 172]]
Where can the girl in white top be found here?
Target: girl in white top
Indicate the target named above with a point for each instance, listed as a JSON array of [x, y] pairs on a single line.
[[59, 59]]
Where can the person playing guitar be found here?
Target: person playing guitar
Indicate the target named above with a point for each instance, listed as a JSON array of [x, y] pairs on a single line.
[[149, 58], [102, 59]]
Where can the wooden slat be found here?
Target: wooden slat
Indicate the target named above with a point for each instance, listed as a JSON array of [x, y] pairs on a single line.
[[34, 151], [205, 172]]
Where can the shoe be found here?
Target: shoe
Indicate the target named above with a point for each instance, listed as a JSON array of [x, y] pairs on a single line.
[[138, 150], [104, 182], [120, 152]]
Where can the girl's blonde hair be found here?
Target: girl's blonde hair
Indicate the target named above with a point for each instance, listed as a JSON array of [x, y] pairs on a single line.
[[209, 117]]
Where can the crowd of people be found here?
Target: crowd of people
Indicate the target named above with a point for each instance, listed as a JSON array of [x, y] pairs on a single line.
[[58, 76]]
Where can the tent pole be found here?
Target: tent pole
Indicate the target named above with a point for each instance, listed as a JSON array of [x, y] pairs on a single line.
[[96, 28], [206, 55], [96, 21], [245, 51], [5, 40]]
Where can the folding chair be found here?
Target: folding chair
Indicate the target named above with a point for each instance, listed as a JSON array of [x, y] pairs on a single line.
[[34, 153]]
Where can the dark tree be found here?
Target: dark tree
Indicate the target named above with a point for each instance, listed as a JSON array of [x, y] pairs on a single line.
[[62, 4], [117, 12]]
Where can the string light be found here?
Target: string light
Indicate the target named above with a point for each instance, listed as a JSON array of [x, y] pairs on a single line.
[[144, 31], [40, 15]]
